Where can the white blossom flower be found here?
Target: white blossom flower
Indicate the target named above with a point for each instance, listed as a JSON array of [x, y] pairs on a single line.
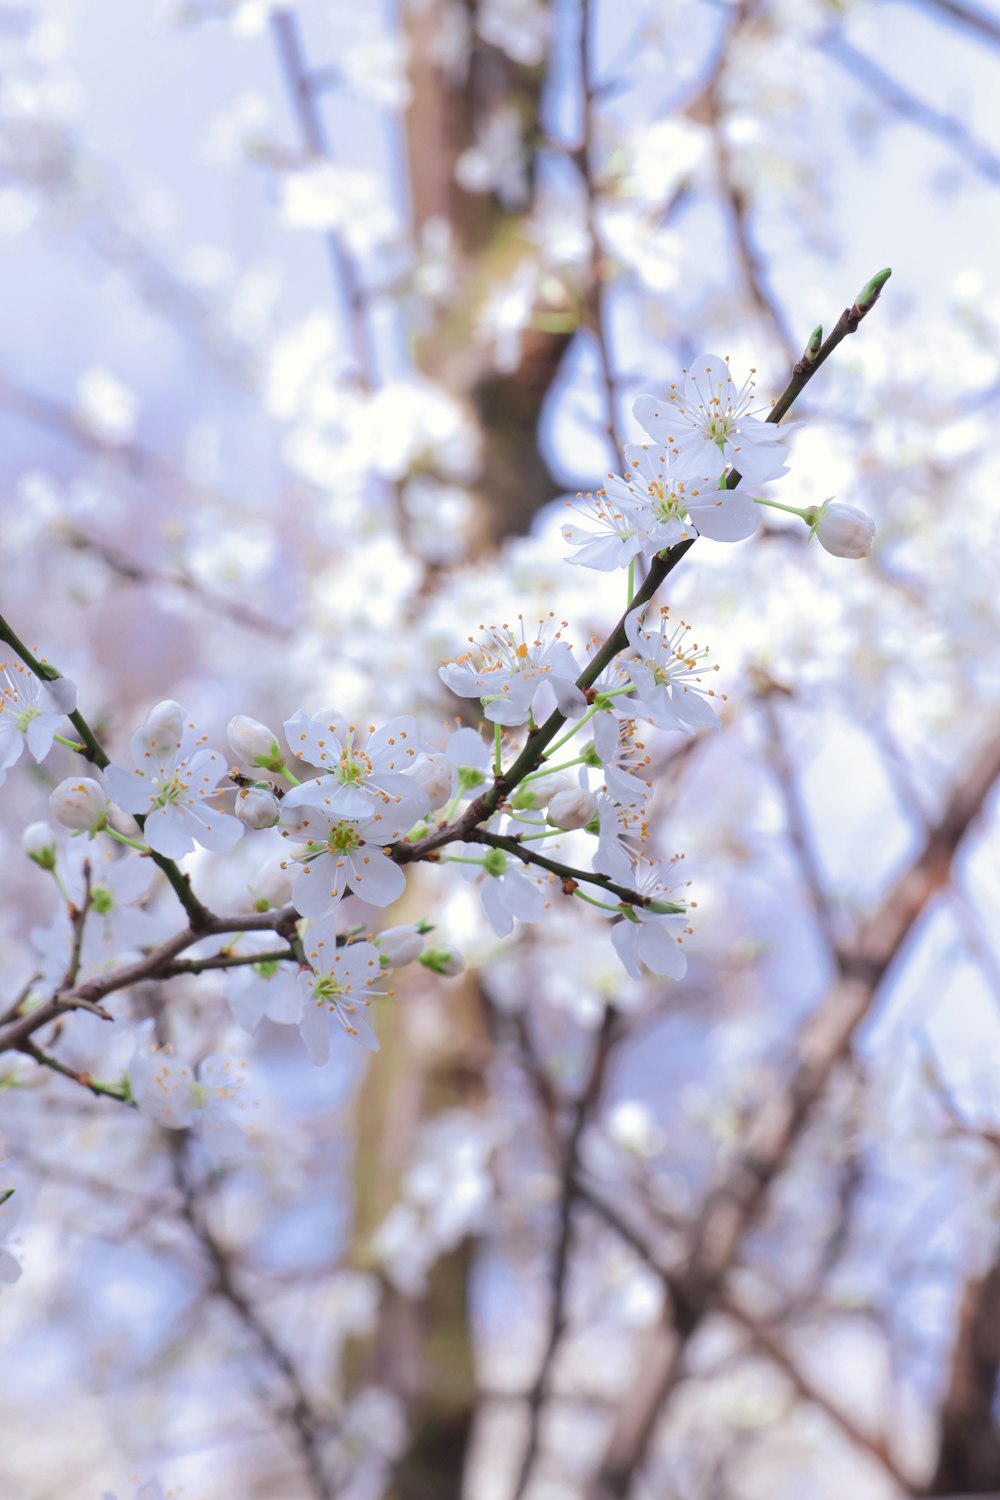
[[616, 534], [31, 712], [668, 676], [80, 802], [507, 891], [267, 987], [343, 855], [117, 927], [521, 28], [707, 424], [445, 1194], [169, 1090], [507, 671], [338, 986], [675, 504], [843, 530], [624, 759], [327, 196], [106, 406], [497, 162], [622, 835], [174, 790], [366, 766], [652, 937]]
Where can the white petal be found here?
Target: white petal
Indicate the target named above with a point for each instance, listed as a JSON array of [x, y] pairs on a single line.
[[167, 830], [314, 1028]]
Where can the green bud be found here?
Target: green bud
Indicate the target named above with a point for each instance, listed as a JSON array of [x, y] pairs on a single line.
[[39, 844], [869, 293], [495, 862], [101, 899], [594, 826], [468, 777], [591, 757], [441, 961], [813, 346], [524, 797]]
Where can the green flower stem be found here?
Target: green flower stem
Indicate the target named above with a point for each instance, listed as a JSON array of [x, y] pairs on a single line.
[[113, 833], [793, 510], [630, 591], [497, 750], [547, 770], [593, 901], [460, 859], [61, 739], [574, 728], [284, 771]]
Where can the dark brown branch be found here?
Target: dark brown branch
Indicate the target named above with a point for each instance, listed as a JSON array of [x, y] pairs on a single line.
[[307, 1426], [585, 1107]]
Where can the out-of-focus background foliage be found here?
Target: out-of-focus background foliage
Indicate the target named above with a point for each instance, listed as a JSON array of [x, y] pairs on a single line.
[[313, 316]]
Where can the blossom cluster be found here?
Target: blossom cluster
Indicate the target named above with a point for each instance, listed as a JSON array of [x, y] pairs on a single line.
[[557, 806]]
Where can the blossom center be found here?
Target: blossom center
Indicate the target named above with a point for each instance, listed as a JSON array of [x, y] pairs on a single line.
[[343, 838]]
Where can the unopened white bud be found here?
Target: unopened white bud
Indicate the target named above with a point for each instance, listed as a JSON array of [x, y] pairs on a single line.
[[253, 743], [80, 802], [536, 793], [164, 726], [443, 961], [256, 807], [843, 529], [572, 809], [435, 775], [39, 843], [400, 945]]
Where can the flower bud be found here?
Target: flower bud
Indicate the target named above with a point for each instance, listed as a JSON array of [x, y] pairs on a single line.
[[80, 802], [572, 809], [164, 727], [843, 529], [399, 945], [537, 793], [442, 961], [39, 843], [495, 862], [256, 807], [435, 775], [253, 743]]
